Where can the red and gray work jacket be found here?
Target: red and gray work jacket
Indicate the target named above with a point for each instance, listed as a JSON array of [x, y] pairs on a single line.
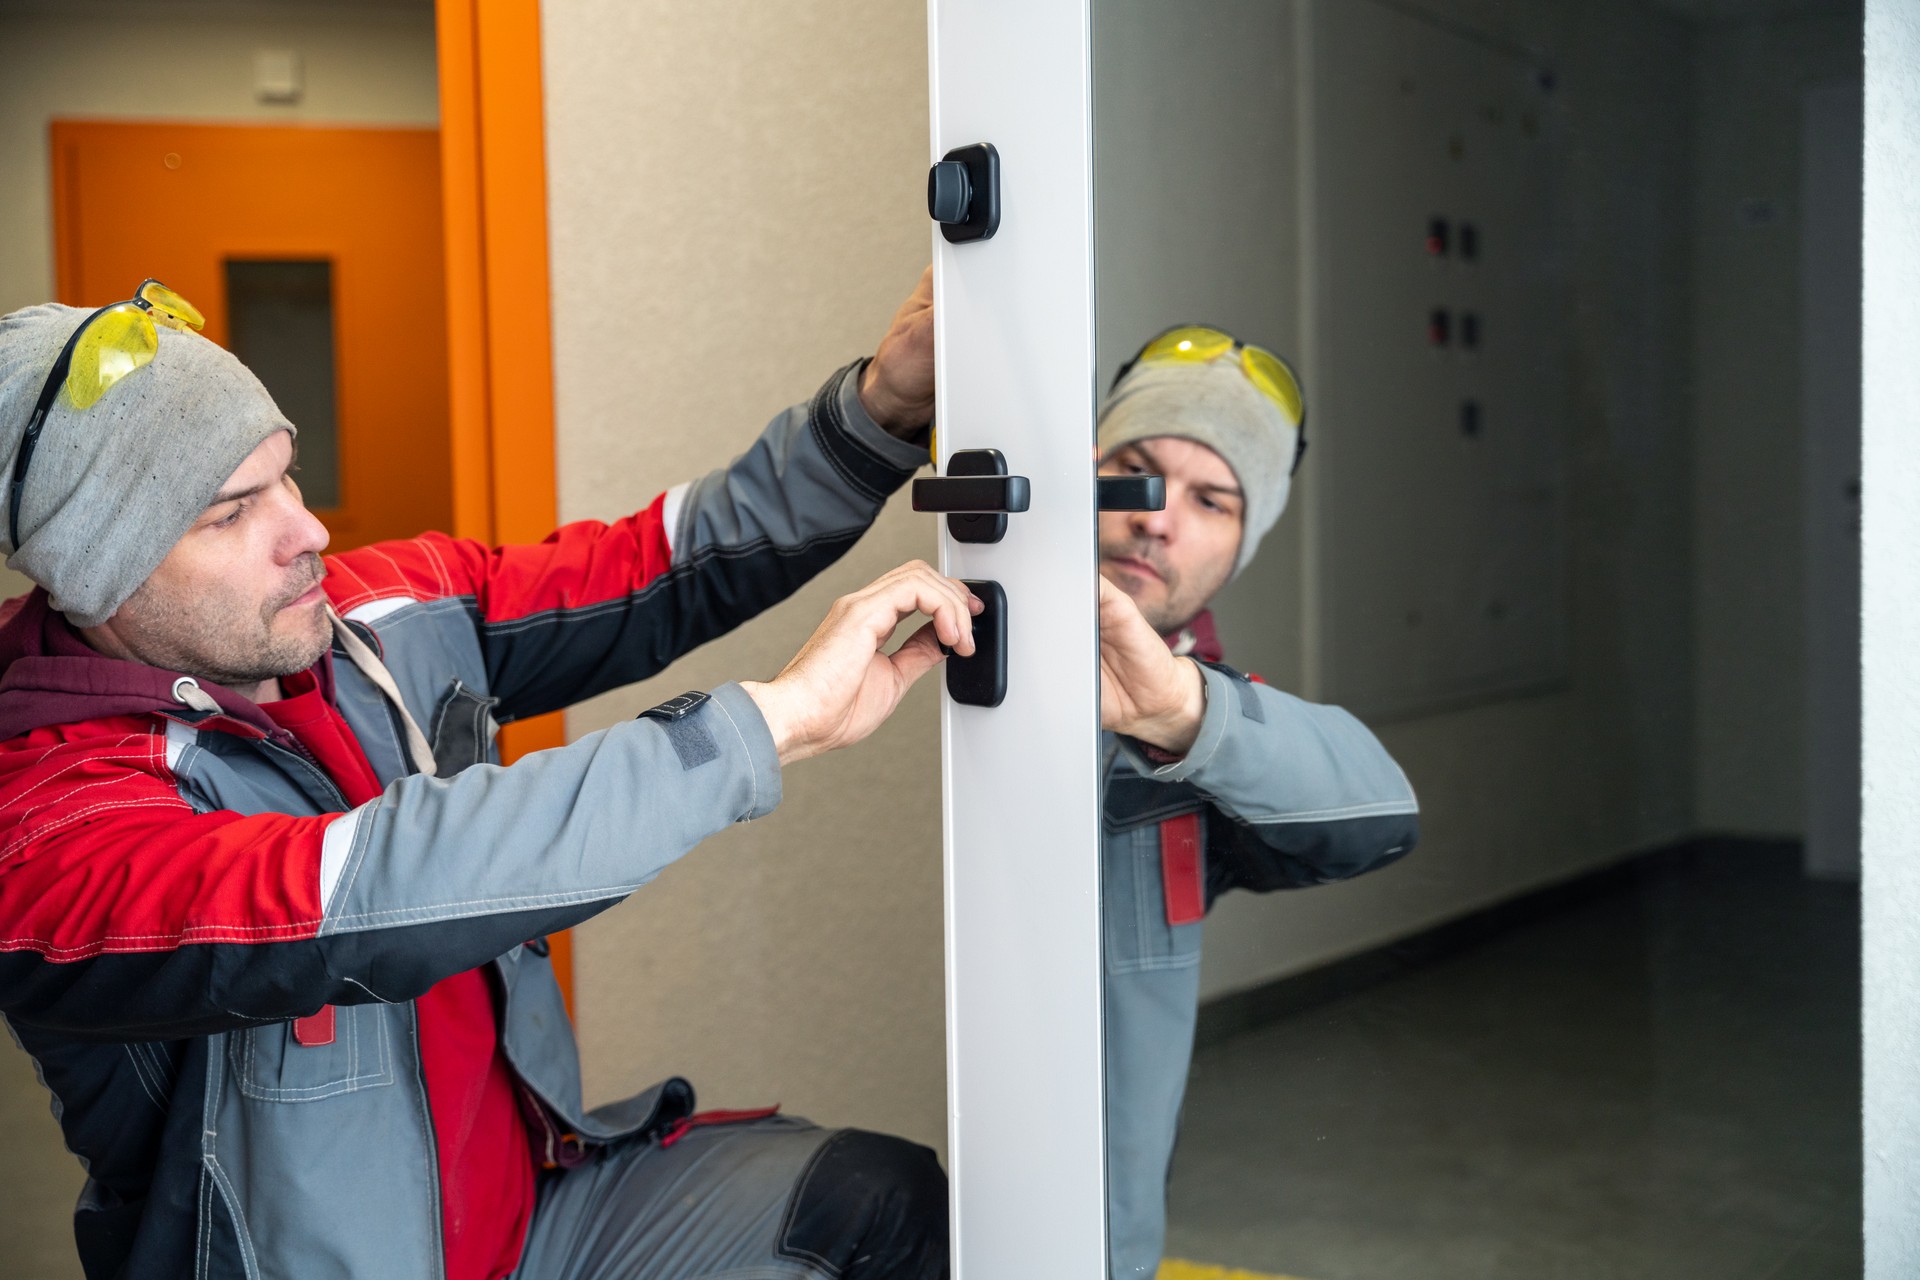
[[1276, 793], [179, 884]]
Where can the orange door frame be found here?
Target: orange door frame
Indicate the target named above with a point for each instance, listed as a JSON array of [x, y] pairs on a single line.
[[493, 168]]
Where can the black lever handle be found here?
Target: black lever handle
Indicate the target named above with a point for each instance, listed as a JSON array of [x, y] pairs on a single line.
[[1132, 493], [977, 493]]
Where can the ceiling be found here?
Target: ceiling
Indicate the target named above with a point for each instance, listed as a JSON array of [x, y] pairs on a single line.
[[202, 6]]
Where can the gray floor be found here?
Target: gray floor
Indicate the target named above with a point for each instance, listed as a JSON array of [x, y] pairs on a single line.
[[1661, 1082]]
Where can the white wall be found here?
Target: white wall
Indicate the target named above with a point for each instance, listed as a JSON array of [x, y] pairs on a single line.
[[1749, 498], [737, 198], [1518, 792], [1890, 556], [365, 64]]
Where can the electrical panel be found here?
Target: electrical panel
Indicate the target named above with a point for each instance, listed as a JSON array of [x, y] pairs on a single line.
[[1438, 364]]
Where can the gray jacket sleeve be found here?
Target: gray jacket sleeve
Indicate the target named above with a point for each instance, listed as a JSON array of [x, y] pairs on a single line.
[[1301, 793], [739, 541], [433, 877], [439, 875]]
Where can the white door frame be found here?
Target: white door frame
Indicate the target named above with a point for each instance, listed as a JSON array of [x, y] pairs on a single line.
[[1015, 367]]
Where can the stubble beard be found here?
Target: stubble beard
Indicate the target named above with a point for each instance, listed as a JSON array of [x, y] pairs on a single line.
[[1181, 601], [1170, 613], [215, 636]]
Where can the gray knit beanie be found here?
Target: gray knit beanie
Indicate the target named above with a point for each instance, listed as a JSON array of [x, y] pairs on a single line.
[[111, 488], [1215, 405]]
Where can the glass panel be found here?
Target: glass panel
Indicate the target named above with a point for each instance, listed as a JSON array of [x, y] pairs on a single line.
[[1572, 294], [280, 317]]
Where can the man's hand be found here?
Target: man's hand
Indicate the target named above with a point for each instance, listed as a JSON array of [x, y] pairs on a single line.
[[897, 388], [842, 684], [1145, 692]]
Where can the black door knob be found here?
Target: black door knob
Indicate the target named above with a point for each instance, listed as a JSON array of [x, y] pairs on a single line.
[[949, 192], [963, 193]]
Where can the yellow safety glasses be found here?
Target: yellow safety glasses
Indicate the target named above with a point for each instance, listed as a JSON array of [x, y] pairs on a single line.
[[111, 343], [1202, 344]]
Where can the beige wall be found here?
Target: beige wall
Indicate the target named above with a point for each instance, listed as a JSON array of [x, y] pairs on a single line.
[[1749, 588], [366, 63], [737, 204]]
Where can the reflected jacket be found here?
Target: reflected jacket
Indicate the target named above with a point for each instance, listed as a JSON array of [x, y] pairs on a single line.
[[1275, 793], [177, 884]]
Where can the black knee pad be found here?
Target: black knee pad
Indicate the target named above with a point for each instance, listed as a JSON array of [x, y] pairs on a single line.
[[869, 1207]]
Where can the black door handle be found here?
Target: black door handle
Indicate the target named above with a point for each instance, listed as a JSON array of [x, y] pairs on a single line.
[[981, 681], [973, 494], [977, 493], [963, 193], [1132, 493]]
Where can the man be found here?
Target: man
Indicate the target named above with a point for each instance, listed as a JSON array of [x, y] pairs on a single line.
[[272, 921], [1214, 781]]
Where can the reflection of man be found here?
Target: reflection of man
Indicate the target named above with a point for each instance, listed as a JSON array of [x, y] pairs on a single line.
[[272, 922], [1213, 782]]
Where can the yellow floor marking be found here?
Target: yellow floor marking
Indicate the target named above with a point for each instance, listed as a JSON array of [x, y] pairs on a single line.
[[1175, 1269]]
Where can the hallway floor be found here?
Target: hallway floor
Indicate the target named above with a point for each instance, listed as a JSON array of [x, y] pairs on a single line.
[[1661, 1081]]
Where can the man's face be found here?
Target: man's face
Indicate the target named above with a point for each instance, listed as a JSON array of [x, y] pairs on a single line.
[[238, 600], [1172, 561]]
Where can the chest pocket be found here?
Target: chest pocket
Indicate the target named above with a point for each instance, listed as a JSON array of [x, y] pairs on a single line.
[[269, 1064], [1133, 887], [463, 729]]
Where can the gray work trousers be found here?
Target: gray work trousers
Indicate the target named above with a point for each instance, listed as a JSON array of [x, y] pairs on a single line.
[[772, 1199]]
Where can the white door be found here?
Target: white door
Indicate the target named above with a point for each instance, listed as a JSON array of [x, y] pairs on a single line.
[[1016, 373]]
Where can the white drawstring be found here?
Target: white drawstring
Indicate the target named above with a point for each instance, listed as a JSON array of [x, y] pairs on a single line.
[[372, 668]]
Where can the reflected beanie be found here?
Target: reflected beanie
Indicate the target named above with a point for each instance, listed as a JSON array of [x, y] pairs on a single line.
[[1215, 405], [111, 488]]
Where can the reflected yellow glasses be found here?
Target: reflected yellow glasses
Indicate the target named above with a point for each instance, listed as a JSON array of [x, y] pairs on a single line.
[[1202, 344], [1197, 344], [111, 343]]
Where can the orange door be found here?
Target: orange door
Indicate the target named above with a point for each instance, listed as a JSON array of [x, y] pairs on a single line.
[[290, 240]]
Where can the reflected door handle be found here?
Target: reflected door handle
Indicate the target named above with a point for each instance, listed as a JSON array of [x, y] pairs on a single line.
[[976, 493], [1132, 493]]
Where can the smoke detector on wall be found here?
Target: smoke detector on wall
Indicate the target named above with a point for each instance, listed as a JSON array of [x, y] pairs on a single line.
[[276, 75]]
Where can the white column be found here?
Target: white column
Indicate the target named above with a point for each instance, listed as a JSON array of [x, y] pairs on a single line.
[[1890, 641]]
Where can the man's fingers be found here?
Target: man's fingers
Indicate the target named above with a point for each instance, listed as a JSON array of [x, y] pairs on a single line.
[[917, 588], [920, 654], [1115, 604], [952, 621]]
